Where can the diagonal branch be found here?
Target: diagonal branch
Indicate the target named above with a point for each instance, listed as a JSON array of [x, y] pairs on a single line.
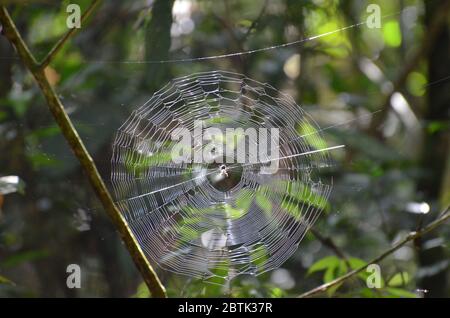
[[328, 242], [58, 46], [410, 65], [410, 237], [255, 22], [71, 135]]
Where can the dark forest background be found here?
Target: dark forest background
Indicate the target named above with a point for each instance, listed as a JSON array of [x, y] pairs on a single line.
[[393, 178]]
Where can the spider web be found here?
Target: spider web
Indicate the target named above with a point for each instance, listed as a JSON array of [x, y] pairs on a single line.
[[187, 224]]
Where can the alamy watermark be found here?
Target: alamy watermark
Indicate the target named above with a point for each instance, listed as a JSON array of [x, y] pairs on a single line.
[[73, 20], [373, 21], [374, 279], [74, 278]]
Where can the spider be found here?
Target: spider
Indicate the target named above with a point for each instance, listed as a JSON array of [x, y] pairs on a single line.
[[223, 170]]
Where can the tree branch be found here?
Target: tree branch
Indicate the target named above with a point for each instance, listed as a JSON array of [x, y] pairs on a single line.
[[58, 46], [328, 242], [410, 65], [410, 237], [256, 21], [57, 109]]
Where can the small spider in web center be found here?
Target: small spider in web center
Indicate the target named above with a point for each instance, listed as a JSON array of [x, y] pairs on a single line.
[[223, 170]]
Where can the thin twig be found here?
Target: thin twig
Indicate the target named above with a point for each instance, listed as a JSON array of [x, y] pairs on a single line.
[[410, 237], [256, 21], [328, 242], [58, 46], [68, 130]]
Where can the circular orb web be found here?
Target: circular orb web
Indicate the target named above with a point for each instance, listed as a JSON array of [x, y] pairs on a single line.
[[217, 220]]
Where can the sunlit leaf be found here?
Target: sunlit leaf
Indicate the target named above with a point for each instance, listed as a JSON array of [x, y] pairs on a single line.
[[337, 44], [140, 162], [332, 290], [142, 291], [219, 274], [292, 208], [399, 279], [311, 135], [323, 264], [259, 255], [356, 263], [27, 256], [416, 83], [276, 292], [244, 199], [437, 125], [302, 192], [264, 203], [392, 34], [234, 213], [5, 281]]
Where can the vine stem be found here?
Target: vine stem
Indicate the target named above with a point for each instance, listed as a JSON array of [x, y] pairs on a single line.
[[410, 237], [76, 144], [58, 46]]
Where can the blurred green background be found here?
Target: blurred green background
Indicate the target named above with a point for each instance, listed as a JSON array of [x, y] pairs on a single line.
[[393, 177]]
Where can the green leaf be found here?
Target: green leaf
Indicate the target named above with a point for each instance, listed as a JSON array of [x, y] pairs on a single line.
[[45, 132], [244, 199], [218, 120], [332, 273], [311, 135], [185, 226], [356, 263], [263, 203], [291, 208], [40, 159], [323, 264], [245, 23], [336, 44], [259, 255], [234, 213], [219, 273], [416, 83], [368, 292], [333, 267], [139, 163], [399, 279], [332, 290], [276, 292], [27, 256], [303, 193], [329, 274], [188, 234], [437, 126], [402, 293], [342, 269], [391, 34], [5, 281], [142, 291]]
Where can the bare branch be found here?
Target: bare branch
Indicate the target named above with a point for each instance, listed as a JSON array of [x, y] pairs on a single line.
[[58, 46], [256, 21], [328, 242], [56, 107], [410, 65], [410, 237]]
